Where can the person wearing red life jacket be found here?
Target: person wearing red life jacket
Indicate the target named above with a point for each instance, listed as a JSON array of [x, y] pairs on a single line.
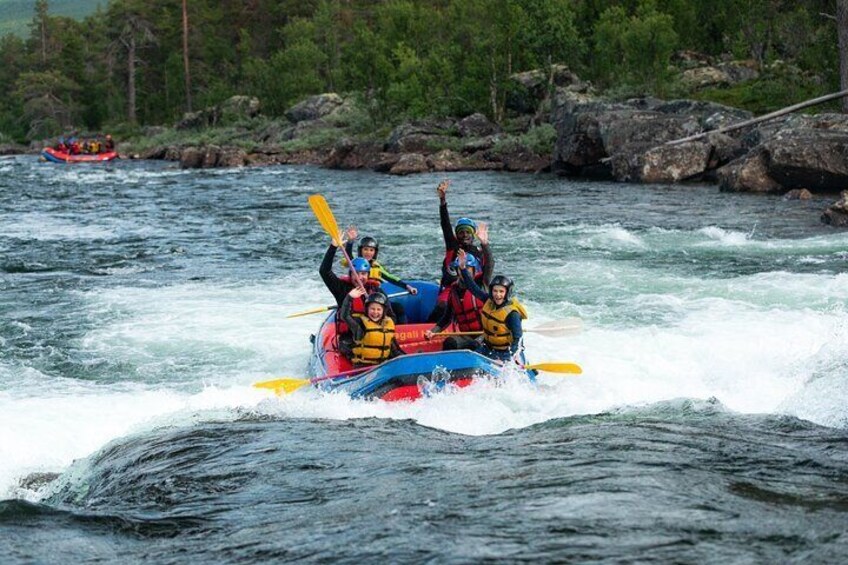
[[458, 237], [463, 309]]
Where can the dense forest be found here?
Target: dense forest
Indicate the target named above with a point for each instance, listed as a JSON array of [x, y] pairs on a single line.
[[149, 61]]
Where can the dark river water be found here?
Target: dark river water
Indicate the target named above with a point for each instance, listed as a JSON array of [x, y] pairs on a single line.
[[139, 303]]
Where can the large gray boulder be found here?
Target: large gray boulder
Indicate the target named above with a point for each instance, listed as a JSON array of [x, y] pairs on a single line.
[[803, 152], [748, 174], [527, 90], [239, 107], [410, 163], [623, 140], [314, 107], [816, 160], [837, 213], [477, 125], [662, 164], [424, 136]]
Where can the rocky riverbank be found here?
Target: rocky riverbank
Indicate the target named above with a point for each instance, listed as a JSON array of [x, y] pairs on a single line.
[[554, 122]]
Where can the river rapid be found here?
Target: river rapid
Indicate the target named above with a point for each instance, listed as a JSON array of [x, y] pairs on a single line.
[[139, 302]]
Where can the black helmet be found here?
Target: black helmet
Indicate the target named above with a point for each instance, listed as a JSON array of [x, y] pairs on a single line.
[[378, 297], [504, 281], [368, 241]]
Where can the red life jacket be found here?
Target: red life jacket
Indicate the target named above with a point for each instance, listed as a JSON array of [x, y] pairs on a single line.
[[356, 307], [466, 310]]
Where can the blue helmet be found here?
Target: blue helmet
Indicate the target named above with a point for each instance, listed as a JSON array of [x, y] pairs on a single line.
[[470, 261], [361, 265], [465, 223]]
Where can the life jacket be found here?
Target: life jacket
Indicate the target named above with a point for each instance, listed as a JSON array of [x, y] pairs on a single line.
[[356, 307], [466, 310], [376, 345], [376, 271], [495, 331]]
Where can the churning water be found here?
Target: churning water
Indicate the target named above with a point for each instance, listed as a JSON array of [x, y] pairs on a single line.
[[139, 303]]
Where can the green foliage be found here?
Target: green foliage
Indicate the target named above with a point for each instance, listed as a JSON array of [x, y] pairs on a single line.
[[635, 50], [407, 58], [773, 91], [539, 139]]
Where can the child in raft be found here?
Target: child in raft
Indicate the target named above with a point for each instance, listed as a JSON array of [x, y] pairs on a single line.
[[373, 332], [501, 315]]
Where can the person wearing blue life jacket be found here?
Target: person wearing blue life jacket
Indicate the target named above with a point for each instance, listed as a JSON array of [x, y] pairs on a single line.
[[372, 332], [501, 315], [463, 310]]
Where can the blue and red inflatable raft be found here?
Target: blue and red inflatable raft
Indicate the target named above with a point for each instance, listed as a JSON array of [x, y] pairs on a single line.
[[424, 368]]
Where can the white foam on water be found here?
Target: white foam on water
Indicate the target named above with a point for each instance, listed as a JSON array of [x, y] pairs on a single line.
[[47, 227]]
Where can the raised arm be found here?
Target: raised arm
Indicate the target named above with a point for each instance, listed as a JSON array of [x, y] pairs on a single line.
[[444, 216], [347, 317], [488, 259], [469, 281], [333, 282]]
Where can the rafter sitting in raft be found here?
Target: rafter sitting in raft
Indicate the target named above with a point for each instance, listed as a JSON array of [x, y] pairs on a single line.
[[373, 332], [501, 315]]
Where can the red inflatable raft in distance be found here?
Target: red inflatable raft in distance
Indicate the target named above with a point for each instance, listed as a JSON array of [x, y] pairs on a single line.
[[55, 156]]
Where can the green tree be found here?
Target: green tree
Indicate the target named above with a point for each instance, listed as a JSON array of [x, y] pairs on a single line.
[[48, 102]]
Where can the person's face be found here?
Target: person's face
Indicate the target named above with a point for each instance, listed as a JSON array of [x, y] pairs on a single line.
[[367, 253], [498, 294], [375, 312], [465, 236]]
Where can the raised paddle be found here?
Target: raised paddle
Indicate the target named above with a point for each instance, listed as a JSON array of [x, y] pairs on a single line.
[[554, 328], [328, 221]]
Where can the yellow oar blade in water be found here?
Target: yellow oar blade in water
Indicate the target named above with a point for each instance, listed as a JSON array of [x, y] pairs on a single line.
[[283, 386], [565, 368]]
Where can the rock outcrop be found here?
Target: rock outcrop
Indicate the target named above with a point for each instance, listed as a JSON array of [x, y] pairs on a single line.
[[837, 213]]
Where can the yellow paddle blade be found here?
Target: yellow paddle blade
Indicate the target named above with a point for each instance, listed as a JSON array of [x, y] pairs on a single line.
[[313, 311], [325, 217], [283, 386], [566, 368]]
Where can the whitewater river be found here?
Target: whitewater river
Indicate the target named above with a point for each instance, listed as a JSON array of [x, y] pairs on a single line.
[[139, 302]]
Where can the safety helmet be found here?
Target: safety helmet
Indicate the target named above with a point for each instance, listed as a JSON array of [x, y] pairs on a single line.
[[361, 265], [504, 281], [378, 297], [470, 261], [368, 241], [465, 223]]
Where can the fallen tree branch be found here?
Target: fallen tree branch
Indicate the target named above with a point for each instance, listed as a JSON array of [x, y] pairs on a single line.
[[775, 114]]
